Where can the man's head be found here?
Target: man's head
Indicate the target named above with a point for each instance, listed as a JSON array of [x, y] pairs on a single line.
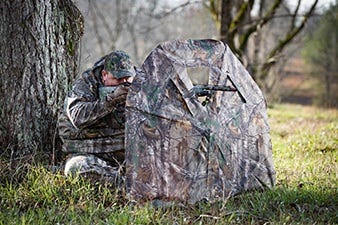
[[119, 64], [117, 68]]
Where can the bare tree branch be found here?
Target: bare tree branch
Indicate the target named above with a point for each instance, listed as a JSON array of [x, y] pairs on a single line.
[[293, 21], [239, 17], [283, 42], [215, 10], [161, 15], [260, 23]]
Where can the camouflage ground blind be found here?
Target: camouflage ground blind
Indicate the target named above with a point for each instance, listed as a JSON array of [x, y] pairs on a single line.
[[196, 126]]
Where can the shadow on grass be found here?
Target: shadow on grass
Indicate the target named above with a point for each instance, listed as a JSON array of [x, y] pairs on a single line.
[[305, 204]]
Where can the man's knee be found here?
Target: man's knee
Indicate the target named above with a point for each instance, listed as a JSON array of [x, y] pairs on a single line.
[[90, 166], [75, 165], [81, 164]]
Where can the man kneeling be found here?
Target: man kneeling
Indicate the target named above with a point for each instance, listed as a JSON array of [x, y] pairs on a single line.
[[92, 123]]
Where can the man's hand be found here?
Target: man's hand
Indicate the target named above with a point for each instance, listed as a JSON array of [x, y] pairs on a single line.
[[118, 97]]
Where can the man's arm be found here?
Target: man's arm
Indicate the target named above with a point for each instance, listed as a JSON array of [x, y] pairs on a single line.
[[84, 108]]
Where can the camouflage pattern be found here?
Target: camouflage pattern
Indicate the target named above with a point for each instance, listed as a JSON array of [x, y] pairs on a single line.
[[119, 64], [178, 149], [91, 126], [92, 166]]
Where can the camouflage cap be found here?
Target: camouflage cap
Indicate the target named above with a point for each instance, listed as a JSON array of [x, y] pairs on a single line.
[[119, 64]]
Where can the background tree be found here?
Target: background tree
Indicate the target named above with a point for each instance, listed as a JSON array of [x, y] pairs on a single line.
[[138, 26], [263, 34], [242, 26], [320, 52], [39, 51]]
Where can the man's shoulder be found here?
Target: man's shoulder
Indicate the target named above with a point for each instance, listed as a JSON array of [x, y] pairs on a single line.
[[87, 73], [86, 85], [88, 76]]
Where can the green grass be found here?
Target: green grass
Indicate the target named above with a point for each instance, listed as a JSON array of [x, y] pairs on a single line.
[[305, 143]]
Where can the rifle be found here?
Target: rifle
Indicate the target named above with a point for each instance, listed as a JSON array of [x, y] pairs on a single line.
[[126, 84], [105, 90], [209, 90]]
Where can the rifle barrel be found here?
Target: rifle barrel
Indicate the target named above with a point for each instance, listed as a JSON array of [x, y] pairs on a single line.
[[215, 87]]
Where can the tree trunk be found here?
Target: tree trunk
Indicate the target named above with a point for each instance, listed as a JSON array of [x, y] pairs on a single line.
[[39, 52], [226, 18]]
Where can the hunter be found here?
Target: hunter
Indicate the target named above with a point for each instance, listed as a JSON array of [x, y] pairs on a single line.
[[91, 126]]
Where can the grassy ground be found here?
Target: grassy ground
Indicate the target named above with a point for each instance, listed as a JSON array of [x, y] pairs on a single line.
[[305, 143]]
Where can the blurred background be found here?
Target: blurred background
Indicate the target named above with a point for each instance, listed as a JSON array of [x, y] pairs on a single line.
[[291, 53]]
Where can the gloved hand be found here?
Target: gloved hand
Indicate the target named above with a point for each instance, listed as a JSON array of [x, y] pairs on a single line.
[[118, 97]]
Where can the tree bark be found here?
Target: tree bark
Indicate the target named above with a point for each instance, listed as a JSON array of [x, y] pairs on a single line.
[[39, 53]]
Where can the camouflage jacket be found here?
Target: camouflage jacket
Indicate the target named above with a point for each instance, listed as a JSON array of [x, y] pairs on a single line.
[[88, 123]]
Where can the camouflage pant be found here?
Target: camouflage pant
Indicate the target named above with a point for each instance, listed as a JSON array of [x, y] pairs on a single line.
[[96, 168]]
